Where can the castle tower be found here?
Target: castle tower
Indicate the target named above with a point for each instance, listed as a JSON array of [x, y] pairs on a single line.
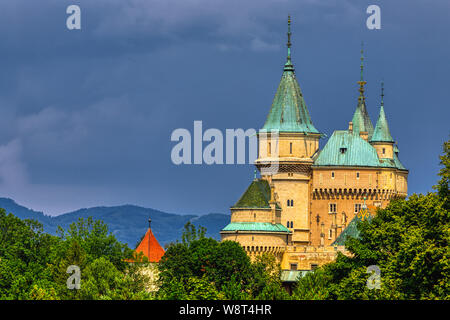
[[287, 143]]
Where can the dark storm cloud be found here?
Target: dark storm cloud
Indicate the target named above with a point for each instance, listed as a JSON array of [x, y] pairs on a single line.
[[86, 116]]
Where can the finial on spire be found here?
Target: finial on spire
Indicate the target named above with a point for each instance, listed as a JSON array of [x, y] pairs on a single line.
[[149, 223], [289, 38], [361, 82], [382, 92], [362, 60]]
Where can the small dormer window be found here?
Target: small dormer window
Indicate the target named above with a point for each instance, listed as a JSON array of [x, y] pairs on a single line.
[[343, 150]]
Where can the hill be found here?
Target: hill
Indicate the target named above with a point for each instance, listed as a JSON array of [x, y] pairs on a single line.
[[127, 222]]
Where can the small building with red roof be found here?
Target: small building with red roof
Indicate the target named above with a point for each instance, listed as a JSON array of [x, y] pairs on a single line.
[[149, 246]]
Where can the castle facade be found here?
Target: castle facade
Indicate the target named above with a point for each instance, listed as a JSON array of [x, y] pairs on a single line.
[[302, 210]]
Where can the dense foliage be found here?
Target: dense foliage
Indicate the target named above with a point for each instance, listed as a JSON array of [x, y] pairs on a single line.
[[33, 264], [203, 268]]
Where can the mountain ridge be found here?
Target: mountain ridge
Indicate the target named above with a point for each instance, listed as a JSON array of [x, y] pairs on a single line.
[[127, 222]]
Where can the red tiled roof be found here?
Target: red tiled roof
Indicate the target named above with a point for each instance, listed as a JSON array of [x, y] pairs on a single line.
[[150, 247]]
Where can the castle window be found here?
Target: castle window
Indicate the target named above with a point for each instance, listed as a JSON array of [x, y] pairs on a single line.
[[270, 149], [290, 203], [332, 208], [293, 266], [357, 207], [314, 266], [287, 224], [342, 150], [384, 150], [292, 224], [357, 175], [332, 174], [290, 148], [330, 233]]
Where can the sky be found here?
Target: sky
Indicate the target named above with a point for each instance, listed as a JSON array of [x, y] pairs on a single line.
[[86, 115]]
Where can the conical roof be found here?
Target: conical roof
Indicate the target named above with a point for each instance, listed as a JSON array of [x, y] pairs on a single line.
[[382, 133], [289, 112], [150, 247], [352, 229], [361, 120]]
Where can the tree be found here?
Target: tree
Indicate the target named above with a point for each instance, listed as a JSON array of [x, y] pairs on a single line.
[[25, 255], [202, 268]]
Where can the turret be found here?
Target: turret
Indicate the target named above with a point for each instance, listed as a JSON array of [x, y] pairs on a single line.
[[381, 139], [289, 116]]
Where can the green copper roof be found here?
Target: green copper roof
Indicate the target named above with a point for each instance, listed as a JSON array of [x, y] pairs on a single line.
[[361, 120], [256, 226], [397, 162], [396, 149], [350, 231], [347, 149], [257, 195], [381, 132], [289, 112]]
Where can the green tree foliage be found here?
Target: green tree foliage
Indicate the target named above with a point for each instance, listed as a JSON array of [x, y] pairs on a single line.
[[33, 264], [202, 268], [408, 241], [24, 258]]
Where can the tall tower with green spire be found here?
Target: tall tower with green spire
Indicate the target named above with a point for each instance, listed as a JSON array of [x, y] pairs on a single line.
[[289, 112], [291, 150], [361, 121]]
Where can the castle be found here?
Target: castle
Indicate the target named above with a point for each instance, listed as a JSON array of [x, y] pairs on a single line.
[[301, 210]]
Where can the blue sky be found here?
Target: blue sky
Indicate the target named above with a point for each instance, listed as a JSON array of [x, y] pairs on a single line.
[[86, 115]]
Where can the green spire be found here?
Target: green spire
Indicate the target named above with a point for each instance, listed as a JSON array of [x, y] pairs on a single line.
[[361, 120], [382, 133], [288, 65], [289, 112]]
